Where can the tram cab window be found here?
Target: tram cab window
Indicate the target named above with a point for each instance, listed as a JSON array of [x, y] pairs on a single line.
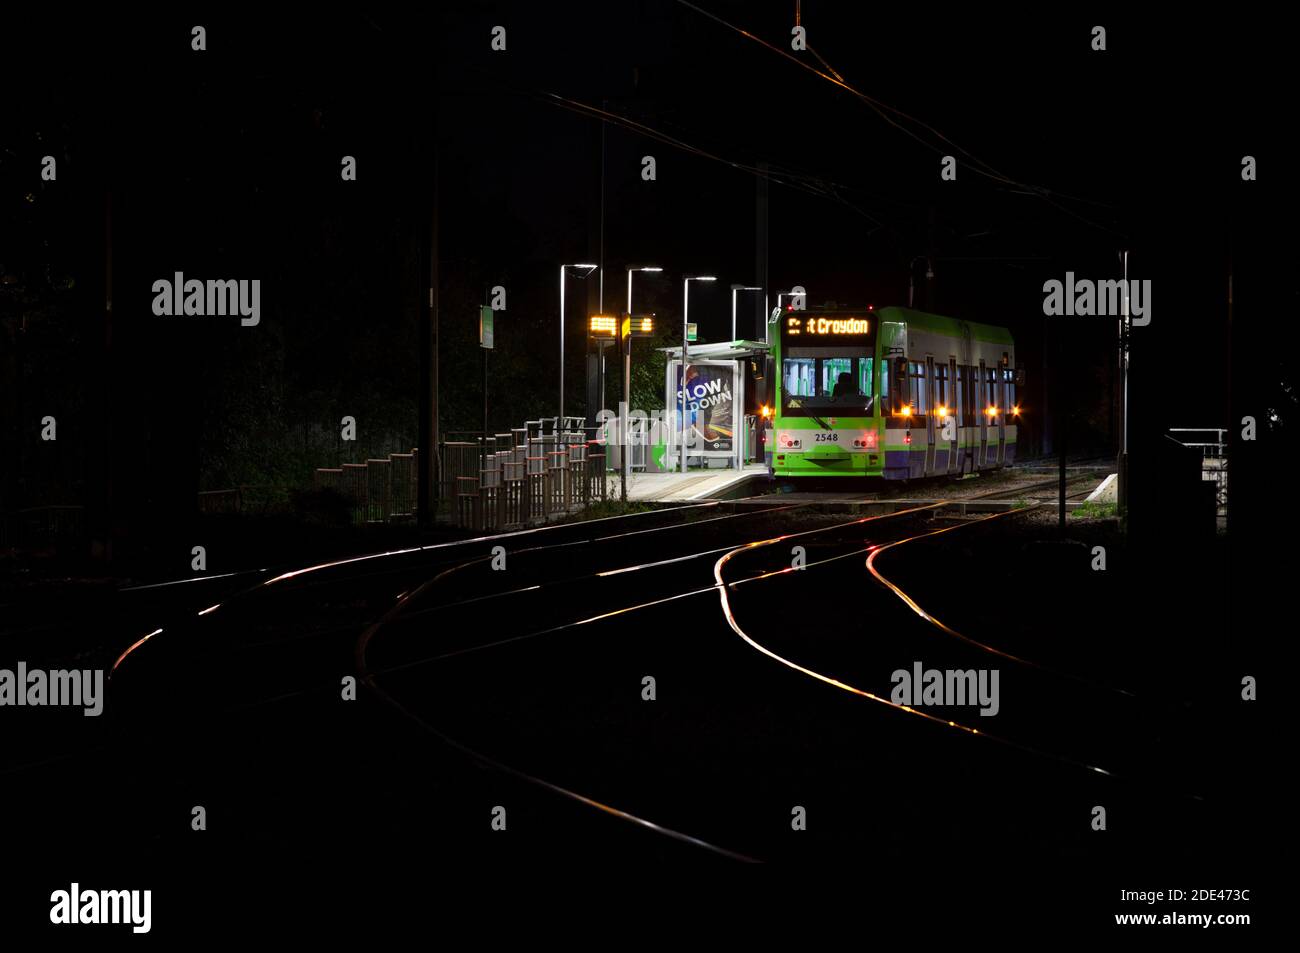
[[830, 384], [800, 377], [832, 369]]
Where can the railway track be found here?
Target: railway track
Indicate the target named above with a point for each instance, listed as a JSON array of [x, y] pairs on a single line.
[[668, 591], [1052, 486], [436, 594], [725, 589], [422, 660], [1051, 747]]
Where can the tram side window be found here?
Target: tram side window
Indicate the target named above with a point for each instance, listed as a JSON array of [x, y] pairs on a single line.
[[1010, 377], [941, 385], [919, 390], [972, 395], [899, 382], [965, 379], [959, 395]]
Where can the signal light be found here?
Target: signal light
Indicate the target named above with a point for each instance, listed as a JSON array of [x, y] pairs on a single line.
[[602, 325], [638, 325]]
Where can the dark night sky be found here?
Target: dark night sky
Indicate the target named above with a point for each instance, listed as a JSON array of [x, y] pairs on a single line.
[[226, 163]]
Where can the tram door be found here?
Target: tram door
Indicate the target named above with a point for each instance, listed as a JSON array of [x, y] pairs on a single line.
[[1003, 409], [952, 399], [981, 402], [928, 384]]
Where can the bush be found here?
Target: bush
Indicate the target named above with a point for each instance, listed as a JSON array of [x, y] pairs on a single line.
[[323, 506]]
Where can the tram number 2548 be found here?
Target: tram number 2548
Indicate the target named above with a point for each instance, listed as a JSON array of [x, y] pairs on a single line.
[[827, 438]]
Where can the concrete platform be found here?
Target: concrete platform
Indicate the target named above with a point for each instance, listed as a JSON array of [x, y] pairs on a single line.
[[692, 485], [1107, 491]]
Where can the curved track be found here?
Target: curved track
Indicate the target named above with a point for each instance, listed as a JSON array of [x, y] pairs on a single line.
[[429, 607]]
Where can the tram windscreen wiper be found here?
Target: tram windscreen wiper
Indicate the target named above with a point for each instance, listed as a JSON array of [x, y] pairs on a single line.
[[821, 423]]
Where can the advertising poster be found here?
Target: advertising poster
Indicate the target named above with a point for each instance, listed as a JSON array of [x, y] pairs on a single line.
[[710, 405]]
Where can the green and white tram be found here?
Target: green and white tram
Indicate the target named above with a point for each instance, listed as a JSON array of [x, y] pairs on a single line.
[[891, 393]]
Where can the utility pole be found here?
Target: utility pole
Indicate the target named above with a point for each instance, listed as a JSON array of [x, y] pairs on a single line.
[[110, 524], [625, 342], [1233, 430], [929, 262], [426, 485], [760, 250], [1121, 465], [1061, 422]]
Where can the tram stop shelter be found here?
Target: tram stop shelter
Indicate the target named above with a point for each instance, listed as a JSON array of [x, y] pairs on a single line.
[[726, 382]]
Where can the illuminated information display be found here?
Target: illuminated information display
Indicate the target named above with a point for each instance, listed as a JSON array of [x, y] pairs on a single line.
[[815, 326]]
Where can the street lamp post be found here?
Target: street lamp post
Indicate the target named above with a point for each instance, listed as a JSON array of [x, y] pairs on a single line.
[[686, 306], [627, 384], [768, 316], [786, 294], [911, 273], [734, 289], [559, 421]]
